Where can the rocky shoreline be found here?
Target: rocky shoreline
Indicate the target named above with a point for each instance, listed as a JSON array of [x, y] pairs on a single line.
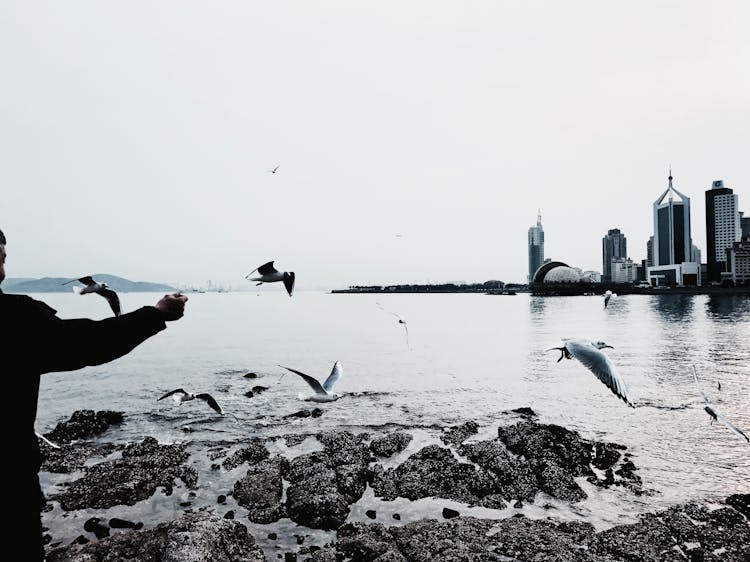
[[526, 463]]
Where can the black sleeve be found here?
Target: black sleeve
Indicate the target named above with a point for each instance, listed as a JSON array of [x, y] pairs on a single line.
[[66, 345]]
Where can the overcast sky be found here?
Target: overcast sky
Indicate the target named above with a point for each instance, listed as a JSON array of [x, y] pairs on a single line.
[[136, 137]]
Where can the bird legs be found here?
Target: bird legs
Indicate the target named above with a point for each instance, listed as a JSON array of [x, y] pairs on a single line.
[[563, 352]]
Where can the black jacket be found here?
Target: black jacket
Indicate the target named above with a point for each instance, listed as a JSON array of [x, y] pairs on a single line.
[[33, 341]]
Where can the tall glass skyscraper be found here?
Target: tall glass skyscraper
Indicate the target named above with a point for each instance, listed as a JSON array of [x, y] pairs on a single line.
[[614, 245], [536, 247], [723, 227], [673, 254]]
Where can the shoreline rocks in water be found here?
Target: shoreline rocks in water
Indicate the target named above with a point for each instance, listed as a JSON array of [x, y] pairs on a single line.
[[524, 459]]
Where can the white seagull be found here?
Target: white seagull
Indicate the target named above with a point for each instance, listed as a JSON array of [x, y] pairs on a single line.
[[323, 392], [715, 415], [592, 357], [608, 295], [99, 288], [179, 396], [274, 170], [47, 441], [400, 320], [269, 274]]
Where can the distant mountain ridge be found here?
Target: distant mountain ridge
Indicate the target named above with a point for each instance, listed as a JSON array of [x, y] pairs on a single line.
[[55, 285]]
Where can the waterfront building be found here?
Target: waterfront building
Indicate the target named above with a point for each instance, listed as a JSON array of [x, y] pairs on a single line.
[[614, 247], [739, 263], [673, 257], [536, 247], [723, 228], [624, 270], [650, 251]]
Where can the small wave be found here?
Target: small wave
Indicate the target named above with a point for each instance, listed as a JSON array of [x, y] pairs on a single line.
[[662, 406]]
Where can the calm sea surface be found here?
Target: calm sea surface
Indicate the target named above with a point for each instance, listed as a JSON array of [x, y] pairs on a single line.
[[469, 357]]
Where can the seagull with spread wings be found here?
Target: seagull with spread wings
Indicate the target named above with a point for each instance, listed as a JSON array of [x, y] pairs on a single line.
[[180, 395], [102, 289], [608, 295], [592, 357], [269, 274], [323, 392], [400, 321], [714, 413], [274, 170]]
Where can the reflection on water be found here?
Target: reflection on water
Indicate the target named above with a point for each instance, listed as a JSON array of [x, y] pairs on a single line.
[[673, 308], [728, 307]]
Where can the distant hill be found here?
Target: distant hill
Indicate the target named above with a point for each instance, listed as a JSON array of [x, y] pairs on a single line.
[[55, 285]]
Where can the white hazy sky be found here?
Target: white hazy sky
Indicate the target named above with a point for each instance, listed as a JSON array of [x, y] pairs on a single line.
[[135, 137]]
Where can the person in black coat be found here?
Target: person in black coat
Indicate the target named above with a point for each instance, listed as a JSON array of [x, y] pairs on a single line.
[[34, 341]]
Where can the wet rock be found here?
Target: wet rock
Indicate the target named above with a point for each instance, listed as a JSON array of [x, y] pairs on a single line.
[[80, 539], [360, 541], [84, 424], [249, 394], [325, 554], [229, 514], [251, 376], [217, 453], [258, 389], [449, 513], [272, 536], [192, 537], [371, 513], [513, 476], [524, 411], [117, 523], [740, 502], [460, 433], [261, 489], [143, 468], [73, 457], [221, 499], [397, 517], [94, 525], [290, 557], [390, 444], [255, 452], [432, 471], [300, 539]]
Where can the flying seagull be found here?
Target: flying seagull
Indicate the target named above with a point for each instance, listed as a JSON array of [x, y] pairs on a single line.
[[715, 415], [179, 396], [592, 357], [323, 392], [99, 288], [608, 295], [400, 320], [269, 274], [274, 170], [47, 441]]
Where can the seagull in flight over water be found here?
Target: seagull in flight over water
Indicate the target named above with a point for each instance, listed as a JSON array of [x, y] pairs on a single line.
[[179, 396], [592, 357], [269, 274], [98, 288], [608, 295], [323, 392], [274, 170], [400, 320], [715, 415]]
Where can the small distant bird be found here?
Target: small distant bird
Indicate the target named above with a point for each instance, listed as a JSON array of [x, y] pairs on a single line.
[[47, 441], [608, 295], [400, 320], [399, 235], [718, 384], [323, 392], [98, 288], [179, 396], [713, 412], [592, 357], [269, 274], [274, 170]]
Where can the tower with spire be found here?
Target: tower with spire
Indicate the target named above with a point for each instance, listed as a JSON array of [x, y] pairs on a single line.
[[675, 260], [536, 247]]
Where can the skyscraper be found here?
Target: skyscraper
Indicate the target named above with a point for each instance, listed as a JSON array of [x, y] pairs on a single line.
[[673, 252], [614, 246], [536, 247], [723, 227]]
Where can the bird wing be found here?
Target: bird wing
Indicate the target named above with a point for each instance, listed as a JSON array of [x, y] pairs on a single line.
[[729, 424], [599, 363], [695, 378], [171, 392], [313, 382], [210, 401], [333, 377], [266, 268], [407, 332], [88, 280], [380, 306], [112, 299], [289, 283]]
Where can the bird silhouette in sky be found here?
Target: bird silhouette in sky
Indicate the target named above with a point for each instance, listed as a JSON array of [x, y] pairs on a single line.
[[274, 170], [180, 395], [269, 274], [98, 288]]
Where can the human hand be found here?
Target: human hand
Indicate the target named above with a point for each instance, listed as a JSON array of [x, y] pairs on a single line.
[[172, 306]]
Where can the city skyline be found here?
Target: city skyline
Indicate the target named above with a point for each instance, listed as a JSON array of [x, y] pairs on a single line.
[[413, 142]]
